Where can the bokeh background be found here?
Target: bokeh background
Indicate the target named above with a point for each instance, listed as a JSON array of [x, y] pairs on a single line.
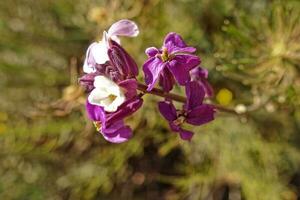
[[49, 150]]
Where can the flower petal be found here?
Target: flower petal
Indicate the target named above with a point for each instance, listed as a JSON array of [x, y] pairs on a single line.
[[174, 39], [126, 109], [195, 95], [151, 51], [123, 27], [201, 115], [105, 84], [166, 80], [87, 81], [174, 127], [152, 68], [97, 96], [181, 65], [117, 133], [198, 73], [209, 91], [122, 60], [89, 62], [185, 50], [185, 134], [168, 110], [130, 85], [95, 113], [175, 44], [106, 94], [99, 52]]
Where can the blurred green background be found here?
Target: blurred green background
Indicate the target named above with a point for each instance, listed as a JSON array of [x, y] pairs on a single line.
[[49, 150]]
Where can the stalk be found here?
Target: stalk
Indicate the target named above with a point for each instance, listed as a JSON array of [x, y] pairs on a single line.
[[178, 98]]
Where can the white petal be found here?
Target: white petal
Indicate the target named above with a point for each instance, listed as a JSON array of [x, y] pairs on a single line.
[[103, 92], [116, 39], [97, 96], [88, 66], [104, 82], [99, 52]]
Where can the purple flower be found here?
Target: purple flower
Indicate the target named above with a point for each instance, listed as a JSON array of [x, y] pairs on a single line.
[[200, 75], [111, 83], [194, 112], [173, 60], [120, 66], [97, 52], [111, 125]]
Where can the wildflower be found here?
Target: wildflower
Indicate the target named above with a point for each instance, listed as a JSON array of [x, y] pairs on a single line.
[[111, 81], [173, 60], [194, 112], [120, 66], [106, 94], [97, 52], [111, 125]]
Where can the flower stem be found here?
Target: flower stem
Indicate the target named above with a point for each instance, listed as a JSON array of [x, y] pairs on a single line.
[[178, 98]]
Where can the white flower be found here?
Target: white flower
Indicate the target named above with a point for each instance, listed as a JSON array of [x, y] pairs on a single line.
[[97, 51], [106, 94]]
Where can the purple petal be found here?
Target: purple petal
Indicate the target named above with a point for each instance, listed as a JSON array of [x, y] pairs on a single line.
[[125, 132], [87, 81], [112, 130], [174, 39], [126, 109], [116, 139], [201, 115], [195, 95], [122, 60], [130, 85], [124, 27], [151, 51], [198, 73], [122, 135], [166, 80], [185, 134], [209, 91], [181, 65], [185, 50], [175, 45], [95, 113], [168, 110], [152, 68], [174, 127], [117, 132]]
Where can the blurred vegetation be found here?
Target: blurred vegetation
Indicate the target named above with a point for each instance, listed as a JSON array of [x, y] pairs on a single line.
[[49, 150]]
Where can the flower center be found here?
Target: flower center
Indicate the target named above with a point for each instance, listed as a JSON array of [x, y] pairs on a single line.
[[180, 120], [165, 55], [111, 97]]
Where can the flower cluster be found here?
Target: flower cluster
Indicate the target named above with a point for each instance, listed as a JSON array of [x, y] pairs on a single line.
[[114, 92]]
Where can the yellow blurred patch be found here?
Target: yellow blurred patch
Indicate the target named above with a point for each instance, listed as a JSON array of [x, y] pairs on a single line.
[[224, 97], [3, 128]]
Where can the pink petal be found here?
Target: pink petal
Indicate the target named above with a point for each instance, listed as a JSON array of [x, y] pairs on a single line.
[[124, 27]]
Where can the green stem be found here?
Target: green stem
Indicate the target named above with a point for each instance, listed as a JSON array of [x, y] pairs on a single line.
[[178, 98]]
